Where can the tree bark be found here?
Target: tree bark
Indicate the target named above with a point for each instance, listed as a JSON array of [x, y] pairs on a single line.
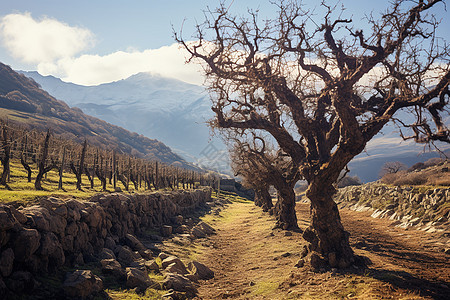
[[329, 242], [286, 217], [263, 199], [27, 167]]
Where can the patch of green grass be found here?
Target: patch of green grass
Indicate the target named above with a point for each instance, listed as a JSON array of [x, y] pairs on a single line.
[[124, 294], [265, 288], [23, 192]]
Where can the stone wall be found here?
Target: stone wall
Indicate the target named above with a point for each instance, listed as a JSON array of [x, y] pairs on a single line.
[[426, 209], [41, 238]]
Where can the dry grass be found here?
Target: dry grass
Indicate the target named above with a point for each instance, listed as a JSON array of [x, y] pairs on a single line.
[[436, 175]]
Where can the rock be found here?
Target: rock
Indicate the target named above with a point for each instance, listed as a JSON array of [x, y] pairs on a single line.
[[110, 243], [176, 269], [20, 281], [300, 263], [206, 228], [132, 242], [139, 264], [166, 230], [124, 255], [81, 284], [180, 283], [106, 254], [173, 295], [151, 265], [198, 233], [138, 278], [146, 254], [113, 267], [179, 266], [163, 256], [199, 269], [52, 248], [26, 243], [304, 252], [316, 261], [6, 262], [7, 220], [155, 237], [179, 220], [19, 216], [332, 259], [79, 260]]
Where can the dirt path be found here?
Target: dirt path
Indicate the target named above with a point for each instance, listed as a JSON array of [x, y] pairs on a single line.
[[252, 261]]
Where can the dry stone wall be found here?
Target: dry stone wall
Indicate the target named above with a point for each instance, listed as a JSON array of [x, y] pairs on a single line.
[[44, 237], [427, 209]]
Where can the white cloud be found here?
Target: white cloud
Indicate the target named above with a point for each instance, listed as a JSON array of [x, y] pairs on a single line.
[[42, 41], [167, 61], [55, 48]]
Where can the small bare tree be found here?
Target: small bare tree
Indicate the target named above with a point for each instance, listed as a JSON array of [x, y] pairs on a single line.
[[43, 165], [392, 167], [323, 89]]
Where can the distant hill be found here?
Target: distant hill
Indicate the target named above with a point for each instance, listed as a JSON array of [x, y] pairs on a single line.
[[22, 101]]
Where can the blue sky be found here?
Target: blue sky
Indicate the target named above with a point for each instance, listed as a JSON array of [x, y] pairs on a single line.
[[102, 41]]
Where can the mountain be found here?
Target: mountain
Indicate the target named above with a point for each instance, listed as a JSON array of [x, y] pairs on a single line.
[[22, 101], [176, 113], [166, 109]]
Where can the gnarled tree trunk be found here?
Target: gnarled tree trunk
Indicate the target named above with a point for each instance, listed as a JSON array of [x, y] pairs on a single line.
[[285, 213], [329, 242]]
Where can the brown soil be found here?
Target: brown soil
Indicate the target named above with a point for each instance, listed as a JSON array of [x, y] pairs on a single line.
[[252, 261]]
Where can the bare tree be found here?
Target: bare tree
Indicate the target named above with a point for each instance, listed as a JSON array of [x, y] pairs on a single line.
[[5, 156], [392, 167], [43, 166], [252, 178], [323, 89], [271, 167], [78, 171]]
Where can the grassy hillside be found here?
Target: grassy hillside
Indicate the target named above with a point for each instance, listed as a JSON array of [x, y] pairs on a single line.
[[24, 103]]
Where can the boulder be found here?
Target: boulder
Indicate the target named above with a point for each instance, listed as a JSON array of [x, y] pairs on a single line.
[[81, 284], [113, 267], [198, 233], [26, 243], [7, 220], [163, 256], [151, 265], [6, 262], [110, 243], [107, 254], [125, 255], [51, 248], [200, 270], [137, 278], [132, 242], [166, 230], [180, 283], [21, 281], [178, 265], [146, 254]]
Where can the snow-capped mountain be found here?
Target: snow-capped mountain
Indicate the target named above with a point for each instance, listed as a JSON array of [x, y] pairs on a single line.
[[162, 108], [176, 112]]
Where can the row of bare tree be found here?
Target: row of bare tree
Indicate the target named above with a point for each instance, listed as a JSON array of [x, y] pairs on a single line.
[[41, 152]]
